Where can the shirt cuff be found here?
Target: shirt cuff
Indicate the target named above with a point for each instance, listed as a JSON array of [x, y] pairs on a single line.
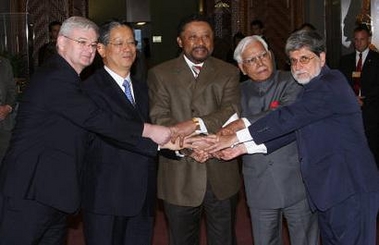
[[252, 148], [10, 109], [179, 154], [246, 122], [203, 128], [243, 135]]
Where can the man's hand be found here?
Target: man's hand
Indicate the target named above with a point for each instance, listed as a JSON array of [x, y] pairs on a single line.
[[4, 111], [159, 134], [221, 142], [230, 153], [181, 130], [200, 156], [175, 146], [199, 142], [361, 100], [232, 127]]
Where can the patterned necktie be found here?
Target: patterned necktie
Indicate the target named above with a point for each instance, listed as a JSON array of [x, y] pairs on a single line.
[[357, 80], [196, 70], [128, 91]]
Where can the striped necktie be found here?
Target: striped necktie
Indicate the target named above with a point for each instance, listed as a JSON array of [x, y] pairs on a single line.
[[128, 91], [196, 70]]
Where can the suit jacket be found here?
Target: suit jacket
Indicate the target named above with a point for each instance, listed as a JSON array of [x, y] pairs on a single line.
[[271, 180], [176, 96], [119, 181], [8, 93], [369, 85], [334, 155], [44, 161]]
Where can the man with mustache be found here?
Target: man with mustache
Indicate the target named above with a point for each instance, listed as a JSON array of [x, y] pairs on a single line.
[[198, 100], [337, 166]]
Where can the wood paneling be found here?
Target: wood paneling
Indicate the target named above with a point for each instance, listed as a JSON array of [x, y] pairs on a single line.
[[280, 17]]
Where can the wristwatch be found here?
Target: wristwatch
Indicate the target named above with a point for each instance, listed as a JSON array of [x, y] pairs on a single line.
[[197, 122]]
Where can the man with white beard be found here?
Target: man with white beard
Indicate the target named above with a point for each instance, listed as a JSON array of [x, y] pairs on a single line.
[[337, 167]]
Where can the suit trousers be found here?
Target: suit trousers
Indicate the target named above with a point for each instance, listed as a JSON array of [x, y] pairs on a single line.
[[28, 222], [5, 136], [184, 222], [117, 230], [302, 224], [351, 222]]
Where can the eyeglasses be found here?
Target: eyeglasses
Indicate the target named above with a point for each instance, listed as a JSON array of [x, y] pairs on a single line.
[[83, 43], [255, 59], [119, 44], [303, 60]]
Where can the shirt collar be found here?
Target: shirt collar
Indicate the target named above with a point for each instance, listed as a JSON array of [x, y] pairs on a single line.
[[190, 63], [119, 79]]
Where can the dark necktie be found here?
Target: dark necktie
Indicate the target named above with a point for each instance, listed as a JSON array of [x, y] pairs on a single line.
[[357, 80], [128, 91], [196, 70]]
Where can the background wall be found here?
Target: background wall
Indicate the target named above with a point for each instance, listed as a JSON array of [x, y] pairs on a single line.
[[165, 16], [101, 11]]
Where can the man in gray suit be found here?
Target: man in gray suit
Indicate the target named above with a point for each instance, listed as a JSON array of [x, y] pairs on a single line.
[[7, 103], [196, 100], [273, 182]]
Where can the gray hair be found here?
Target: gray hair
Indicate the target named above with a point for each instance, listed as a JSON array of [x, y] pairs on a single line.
[[77, 22], [106, 28], [305, 39], [244, 43]]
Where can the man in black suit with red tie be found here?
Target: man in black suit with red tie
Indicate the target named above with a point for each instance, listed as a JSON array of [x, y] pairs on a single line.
[[363, 75], [119, 187]]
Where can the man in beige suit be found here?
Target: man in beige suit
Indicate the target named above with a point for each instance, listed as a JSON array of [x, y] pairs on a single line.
[[196, 100]]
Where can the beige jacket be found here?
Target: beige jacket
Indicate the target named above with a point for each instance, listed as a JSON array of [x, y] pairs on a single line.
[[176, 96]]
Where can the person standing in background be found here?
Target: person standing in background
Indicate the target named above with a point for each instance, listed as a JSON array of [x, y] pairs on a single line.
[[49, 48], [361, 68], [8, 97], [196, 93]]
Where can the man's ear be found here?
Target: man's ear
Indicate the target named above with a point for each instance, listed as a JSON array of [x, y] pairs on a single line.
[[240, 65], [179, 41], [323, 58], [101, 49]]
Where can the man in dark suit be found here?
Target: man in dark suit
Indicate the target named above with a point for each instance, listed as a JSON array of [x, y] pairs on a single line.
[[337, 165], [197, 100], [365, 83], [119, 186], [41, 173]]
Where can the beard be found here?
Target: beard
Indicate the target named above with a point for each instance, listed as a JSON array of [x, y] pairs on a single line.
[[303, 77]]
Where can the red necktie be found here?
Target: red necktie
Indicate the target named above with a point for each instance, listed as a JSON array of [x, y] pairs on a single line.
[[357, 80]]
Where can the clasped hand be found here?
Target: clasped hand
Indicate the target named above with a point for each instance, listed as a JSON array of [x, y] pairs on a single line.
[[223, 145]]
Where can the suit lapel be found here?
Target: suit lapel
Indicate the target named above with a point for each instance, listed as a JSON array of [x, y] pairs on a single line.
[[205, 77], [120, 103]]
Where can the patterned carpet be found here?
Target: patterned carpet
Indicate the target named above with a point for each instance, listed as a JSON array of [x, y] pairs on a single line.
[[243, 228]]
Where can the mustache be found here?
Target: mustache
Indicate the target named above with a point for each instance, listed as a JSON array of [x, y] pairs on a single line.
[[200, 47], [297, 73]]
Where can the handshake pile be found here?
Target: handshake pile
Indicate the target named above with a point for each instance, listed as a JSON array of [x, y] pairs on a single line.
[[186, 138]]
